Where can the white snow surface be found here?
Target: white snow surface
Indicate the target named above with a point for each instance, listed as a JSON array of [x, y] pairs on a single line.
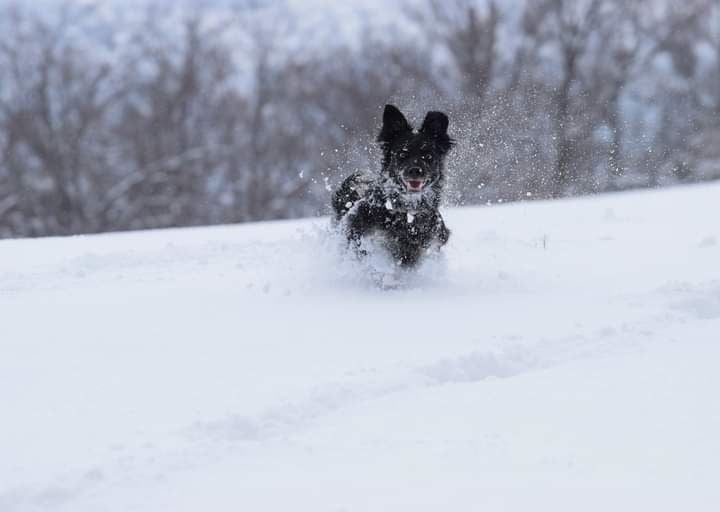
[[562, 357]]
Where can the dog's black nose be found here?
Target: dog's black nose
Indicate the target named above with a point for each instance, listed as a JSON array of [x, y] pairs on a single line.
[[414, 172]]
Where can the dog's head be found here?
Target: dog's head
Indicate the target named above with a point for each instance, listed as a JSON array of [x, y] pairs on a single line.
[[414, 159]]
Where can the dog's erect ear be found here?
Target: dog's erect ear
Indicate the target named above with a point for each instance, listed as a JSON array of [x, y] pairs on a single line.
[[394, 123], [435, 124]]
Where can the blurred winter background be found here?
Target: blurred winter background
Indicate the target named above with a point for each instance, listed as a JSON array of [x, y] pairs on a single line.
[[118, 115]]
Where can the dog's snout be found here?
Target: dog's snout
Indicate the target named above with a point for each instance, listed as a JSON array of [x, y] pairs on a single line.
[[415, 172]]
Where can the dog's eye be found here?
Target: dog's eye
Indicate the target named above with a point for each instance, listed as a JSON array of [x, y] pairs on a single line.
[[428, 157], [402, 153]]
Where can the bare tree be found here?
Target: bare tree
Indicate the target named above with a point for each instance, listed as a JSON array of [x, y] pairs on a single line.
[[567, 26], [55, 99], [468, 32]]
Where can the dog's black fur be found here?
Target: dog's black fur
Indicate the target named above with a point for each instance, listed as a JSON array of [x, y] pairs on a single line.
[[401, 202]]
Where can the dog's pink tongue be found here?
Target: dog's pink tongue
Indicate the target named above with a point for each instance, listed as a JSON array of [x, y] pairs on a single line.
[[416, 184]]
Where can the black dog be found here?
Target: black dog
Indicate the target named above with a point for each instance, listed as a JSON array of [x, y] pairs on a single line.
[[401, 203]]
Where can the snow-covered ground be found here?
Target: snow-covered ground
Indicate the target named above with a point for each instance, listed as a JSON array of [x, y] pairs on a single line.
[[564, 357]]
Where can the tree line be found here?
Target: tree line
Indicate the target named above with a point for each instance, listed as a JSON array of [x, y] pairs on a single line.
[[195, 116]]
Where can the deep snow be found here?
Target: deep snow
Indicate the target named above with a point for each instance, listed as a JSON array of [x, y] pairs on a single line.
[[562, 357]]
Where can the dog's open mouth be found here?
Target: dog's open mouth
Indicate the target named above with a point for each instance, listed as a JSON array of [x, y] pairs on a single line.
[[414, 185]]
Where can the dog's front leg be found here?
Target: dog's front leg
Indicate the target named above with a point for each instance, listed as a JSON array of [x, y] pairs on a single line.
[[359, 221], [437, 233], [442, 231]]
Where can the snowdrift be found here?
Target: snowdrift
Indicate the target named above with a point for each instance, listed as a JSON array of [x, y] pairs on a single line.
[[562, 357]]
